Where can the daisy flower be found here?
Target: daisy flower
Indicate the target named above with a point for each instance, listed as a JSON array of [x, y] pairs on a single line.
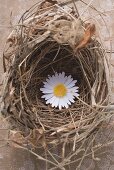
[[59, 90]]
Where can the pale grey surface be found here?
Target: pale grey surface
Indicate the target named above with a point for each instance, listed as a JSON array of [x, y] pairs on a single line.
[[16, 159]]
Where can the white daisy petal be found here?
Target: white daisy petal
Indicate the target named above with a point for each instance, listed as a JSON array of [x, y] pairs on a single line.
[[47, 96], [51, 100], [70, 97], [73, 89], [68, 81], [56, 102], [44, 90], [48, 86], [63, 74], [51, 81], [53, 104], [76, 94], [72, 84], [62, 102], [66, 100], [60, 106], [66, 105], [60, 78]]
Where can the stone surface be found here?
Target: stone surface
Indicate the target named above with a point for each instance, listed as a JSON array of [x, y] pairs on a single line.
[[10, 11]]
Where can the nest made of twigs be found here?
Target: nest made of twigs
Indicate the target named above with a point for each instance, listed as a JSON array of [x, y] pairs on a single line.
[[45, 41]]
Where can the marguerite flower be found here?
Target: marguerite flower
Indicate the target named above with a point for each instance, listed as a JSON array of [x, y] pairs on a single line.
[[59, 90]]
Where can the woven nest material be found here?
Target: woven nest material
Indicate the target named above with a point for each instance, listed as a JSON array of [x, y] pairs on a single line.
[[47, 40]]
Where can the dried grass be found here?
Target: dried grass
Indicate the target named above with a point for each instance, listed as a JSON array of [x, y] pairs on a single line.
[[32, 54]]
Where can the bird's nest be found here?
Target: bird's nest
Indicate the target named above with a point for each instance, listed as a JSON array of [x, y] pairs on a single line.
[[50, 38]]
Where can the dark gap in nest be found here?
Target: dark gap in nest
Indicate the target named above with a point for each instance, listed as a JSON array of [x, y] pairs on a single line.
[[57, 59]]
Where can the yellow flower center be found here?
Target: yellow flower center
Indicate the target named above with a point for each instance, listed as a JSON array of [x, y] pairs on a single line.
[[60, 90]]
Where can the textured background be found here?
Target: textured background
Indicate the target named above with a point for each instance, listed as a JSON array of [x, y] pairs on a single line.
[[10, 11]]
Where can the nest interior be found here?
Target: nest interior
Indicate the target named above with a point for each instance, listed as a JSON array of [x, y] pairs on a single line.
[[29, 66]]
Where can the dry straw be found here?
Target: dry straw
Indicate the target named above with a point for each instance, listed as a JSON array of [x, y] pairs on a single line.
[[52, 37]]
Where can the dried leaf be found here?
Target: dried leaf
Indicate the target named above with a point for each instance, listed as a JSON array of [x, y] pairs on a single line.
[[37, 137], [90, 31], [48, 3], [67, 32], [16, 138]]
